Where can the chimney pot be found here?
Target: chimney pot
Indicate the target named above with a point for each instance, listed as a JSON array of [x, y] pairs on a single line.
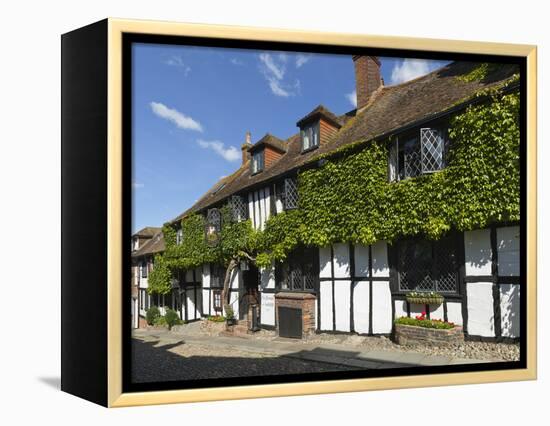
[[367, 78]]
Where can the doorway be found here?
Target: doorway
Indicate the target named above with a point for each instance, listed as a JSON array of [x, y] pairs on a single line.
[[250, 295]]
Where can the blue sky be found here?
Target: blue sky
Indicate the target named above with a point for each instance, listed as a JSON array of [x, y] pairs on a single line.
[[193, 105]]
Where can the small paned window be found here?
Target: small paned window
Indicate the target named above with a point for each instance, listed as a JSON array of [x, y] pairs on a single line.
[[217, 300], [179, 236], [290, 194], [299, 272], [428, 265], [420, 152], [144, 269], [257, 163], [239, 208], [310, 137]]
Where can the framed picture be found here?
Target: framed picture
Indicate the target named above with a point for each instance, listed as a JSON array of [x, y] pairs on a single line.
[[250, 212]]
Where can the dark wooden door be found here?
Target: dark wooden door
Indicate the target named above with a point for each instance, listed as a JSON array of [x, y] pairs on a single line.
[[290, 322], [250, 295]]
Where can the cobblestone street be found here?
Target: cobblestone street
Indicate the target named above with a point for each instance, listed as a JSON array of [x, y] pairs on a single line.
[[176, 360]]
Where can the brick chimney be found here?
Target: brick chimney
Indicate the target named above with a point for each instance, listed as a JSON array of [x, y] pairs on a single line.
[[367, 78], [245, 146]]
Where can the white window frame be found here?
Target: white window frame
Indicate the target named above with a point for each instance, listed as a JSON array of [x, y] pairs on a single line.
[[258, 161], [310, 136]]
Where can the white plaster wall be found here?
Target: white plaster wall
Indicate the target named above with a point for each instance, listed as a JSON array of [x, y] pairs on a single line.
[[267, 202], [380, 266], [205, 301], [361, 259], [257, 210], [261, 207], [267, 278], [437, 312], [341, 260], [190, 295], [400, 308], [268, 308], [361, 298], [143, 283], [509, 309], [278, 205], [477, 250], [199, 302], [235, 278], [508, 251], [342, 304], [326, 304], [480, 309], [324, 263], [251, 209], [234, 301], [454, 312], [206, 275], [381, 307]]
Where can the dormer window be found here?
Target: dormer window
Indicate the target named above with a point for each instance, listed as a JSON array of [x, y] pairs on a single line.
[[257, 164], [310, 136]]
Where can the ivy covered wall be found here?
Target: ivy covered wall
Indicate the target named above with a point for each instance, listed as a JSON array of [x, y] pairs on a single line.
[[349, 197]]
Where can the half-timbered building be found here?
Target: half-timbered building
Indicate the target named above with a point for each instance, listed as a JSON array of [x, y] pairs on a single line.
[[351, 288]]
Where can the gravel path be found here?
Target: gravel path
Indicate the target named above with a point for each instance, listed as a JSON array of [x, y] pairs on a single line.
[[153, 361], [470, 350]]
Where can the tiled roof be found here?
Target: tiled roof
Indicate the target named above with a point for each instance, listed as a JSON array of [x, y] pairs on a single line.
[[148, 231], [269, 140], [152, 246], [321, 111], [391, 108]]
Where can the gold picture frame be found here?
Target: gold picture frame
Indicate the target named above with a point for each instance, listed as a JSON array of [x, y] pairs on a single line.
[[115, 30]]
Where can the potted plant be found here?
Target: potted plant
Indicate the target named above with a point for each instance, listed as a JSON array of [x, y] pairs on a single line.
[[229, 316], [425, 298]]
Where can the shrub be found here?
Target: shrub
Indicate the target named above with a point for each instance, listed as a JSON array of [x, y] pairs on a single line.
[[171, 318], [152, 314], [420, 321], [161, 321], [229, 313], [217, 318]]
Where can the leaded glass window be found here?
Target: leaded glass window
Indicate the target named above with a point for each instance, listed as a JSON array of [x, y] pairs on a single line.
[[298, 272], [428, 265], [239, 208], [418, 152], [290, 194]]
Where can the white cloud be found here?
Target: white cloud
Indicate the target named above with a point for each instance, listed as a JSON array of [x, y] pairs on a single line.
[[179, 119], [177, 61], [137, 185], [302, 59], [229, 154], [411, 68], [273, 68], [352, 98]]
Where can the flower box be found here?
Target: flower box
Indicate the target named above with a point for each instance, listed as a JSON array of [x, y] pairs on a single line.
[[426, 300], [421, 298]]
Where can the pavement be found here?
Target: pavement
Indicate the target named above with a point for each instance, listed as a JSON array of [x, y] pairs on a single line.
[[337, 354]]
